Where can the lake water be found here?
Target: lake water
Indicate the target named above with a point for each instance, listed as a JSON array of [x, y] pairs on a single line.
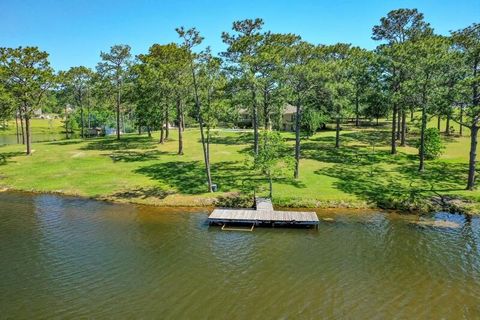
[[65, 257], [12, 138]]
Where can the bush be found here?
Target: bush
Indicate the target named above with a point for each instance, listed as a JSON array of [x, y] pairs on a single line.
[[433, 144]]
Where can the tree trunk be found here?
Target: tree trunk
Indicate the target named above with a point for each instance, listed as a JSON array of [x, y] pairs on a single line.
[[139, 130], [357, 119], [16, 128], [394, 126], [404, 130], [167, 129], [266, 113], [461, 121], [22, 127], [473, 156], [180, 125], [27, 134], [337, 129], [88, 116], [149, 131], [202, 134], [438, 122], [297, 141], [208, 143], [447, 126], [421, 166], [82, 123], [66, 125], [118, 114], [473, 131], [411, 115], [399, 123], [162, 138], [271, 186], [255, 122]]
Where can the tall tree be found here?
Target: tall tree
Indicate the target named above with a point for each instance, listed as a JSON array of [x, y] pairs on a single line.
[[147, 97], [169, 72], [271, 60], [77, 83], [271, 160], [427, 63], [361, 70], [340, 84], [191, 39], [8, 108], [242, 55], [114, 67], [28, 77], [302, 70], [467, 41], [212, 84], [397, 27]]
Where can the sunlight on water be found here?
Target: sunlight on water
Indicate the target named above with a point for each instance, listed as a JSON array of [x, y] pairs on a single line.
[[67, 257]]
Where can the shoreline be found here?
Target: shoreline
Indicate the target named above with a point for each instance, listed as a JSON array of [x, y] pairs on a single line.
[[456, 207]]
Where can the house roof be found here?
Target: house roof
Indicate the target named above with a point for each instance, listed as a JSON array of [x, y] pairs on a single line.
[[288, 109]]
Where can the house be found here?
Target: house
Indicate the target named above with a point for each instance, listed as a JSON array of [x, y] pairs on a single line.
[[284, 122], [288, 117], [37, 113], [94, 132]]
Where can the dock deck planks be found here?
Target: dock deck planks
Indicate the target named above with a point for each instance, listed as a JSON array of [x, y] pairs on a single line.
[[264, 213]]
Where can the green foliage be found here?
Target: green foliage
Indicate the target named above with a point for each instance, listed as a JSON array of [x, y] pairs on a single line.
[[7, 104], [312, 120], [272, 160], [433, 144], [401, 25], [27, 76]]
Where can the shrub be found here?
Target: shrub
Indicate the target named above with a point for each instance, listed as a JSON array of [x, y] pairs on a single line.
[[433, 144]]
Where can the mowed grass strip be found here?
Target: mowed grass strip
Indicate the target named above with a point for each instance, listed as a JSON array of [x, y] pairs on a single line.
[[138, 169]]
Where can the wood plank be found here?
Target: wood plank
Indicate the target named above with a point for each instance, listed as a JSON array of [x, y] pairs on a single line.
[[251, 215]]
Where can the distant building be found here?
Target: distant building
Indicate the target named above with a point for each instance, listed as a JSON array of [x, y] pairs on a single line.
[[288, 117], [285, 122], [37, 113], [94, 132]]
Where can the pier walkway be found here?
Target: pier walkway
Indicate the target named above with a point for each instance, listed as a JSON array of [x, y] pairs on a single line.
[[263, 214]]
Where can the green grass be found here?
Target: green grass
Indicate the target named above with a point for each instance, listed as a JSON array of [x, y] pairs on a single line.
[[38, 126], [137, 169]]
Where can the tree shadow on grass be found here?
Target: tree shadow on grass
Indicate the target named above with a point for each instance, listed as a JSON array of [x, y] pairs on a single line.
[[397, 188], [438, 176], [237, 139], [65, 142], [358, 155], [125, 143], [377, 138], [135, 156], [6, 156], [189, 177]]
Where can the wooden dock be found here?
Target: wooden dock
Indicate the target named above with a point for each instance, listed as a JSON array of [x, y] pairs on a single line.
[[263, 214]]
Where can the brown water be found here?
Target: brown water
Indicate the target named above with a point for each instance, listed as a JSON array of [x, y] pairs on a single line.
[[66, 257]]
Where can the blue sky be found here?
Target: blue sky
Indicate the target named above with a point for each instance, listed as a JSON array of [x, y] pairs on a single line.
[[75, 31]]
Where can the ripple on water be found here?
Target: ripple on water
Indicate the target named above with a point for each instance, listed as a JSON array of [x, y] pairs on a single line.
[[66, 257]]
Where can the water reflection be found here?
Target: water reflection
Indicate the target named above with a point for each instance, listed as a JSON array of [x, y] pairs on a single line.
[[66, 257], [12, 138]]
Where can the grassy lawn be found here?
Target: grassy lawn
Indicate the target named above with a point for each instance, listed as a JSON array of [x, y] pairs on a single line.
[[38, 126], [137, 169]]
